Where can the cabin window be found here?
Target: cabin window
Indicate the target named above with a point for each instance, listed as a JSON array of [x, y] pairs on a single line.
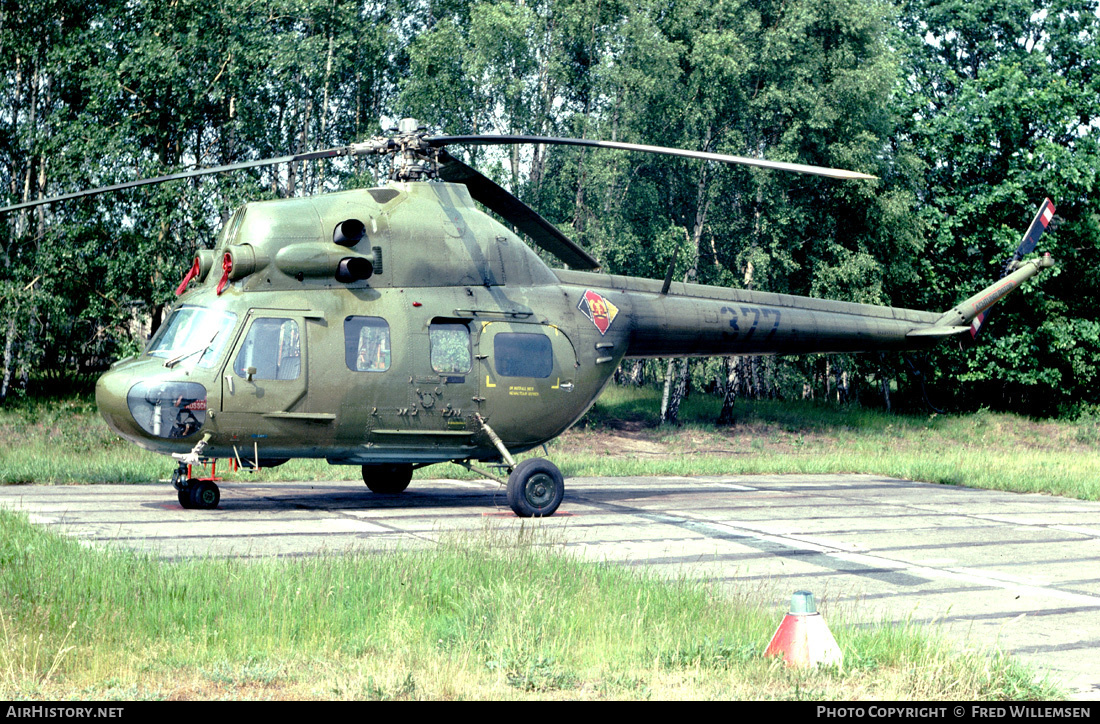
[[273, 348], [523, 355], [367, 344], [450, 343]]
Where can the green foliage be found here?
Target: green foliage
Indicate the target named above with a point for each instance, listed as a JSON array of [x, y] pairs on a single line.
[[1002, 108]]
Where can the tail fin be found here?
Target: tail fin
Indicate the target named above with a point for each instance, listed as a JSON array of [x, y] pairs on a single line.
[[1038, 225]]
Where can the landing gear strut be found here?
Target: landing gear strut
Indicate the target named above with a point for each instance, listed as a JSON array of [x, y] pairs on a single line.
[[535, 486]]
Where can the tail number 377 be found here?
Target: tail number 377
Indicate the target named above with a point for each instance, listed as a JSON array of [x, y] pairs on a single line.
[[739, 316]]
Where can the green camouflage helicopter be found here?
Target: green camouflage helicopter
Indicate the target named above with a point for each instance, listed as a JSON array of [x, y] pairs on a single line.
[[402, 326]]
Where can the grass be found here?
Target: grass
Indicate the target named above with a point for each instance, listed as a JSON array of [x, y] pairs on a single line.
[[66, 442], [498, 615]]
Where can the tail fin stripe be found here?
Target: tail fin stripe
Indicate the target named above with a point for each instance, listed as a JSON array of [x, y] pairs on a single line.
[[1038, 226]]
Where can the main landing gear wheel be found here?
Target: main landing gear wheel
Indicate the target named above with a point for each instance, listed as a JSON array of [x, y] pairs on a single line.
[[535, 488], [388, 479]]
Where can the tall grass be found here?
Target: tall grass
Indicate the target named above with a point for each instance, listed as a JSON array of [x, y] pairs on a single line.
[[495, 615]]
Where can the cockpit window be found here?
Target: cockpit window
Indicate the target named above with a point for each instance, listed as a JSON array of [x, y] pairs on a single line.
[[168, 409], [194, 332]]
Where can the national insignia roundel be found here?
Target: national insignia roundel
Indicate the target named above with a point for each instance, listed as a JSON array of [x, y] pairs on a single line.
[[598, 309]]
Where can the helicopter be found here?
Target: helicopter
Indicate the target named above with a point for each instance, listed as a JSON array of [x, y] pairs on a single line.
[[402, 326]]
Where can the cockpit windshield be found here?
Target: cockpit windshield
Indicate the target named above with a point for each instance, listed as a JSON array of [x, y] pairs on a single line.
[[194, 332]]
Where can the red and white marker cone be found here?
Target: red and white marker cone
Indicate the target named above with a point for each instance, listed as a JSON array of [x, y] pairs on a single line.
[[803, 639]]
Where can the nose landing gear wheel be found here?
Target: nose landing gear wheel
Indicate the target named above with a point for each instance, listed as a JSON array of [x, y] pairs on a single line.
[[535, 488], [204, 495]]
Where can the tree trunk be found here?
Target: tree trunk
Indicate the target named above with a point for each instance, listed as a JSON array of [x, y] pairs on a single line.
[[884, 381], [725, 417], [674, 391], [155, 319], [578, 199], [325, 100], [670, 408], [9, 345], [666, 390]]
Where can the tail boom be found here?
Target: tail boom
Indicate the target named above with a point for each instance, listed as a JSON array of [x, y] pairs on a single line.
[[693, 320], [969, 314]]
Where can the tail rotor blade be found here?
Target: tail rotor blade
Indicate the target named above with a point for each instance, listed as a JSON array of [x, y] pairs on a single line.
[[1038, 225]]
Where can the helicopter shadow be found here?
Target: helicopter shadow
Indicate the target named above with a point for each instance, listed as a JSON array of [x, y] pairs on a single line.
[[611, 498], [413, 499], [276, 501]]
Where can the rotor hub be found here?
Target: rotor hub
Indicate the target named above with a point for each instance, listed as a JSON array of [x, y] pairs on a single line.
[[414, 159]]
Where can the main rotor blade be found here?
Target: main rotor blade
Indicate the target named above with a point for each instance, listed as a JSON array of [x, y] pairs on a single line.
[[523, 217], [327, 153], [701, 155]]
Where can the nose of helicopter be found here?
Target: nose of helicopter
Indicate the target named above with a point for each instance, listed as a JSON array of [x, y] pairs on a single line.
[[110, 398], [151, 407]]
